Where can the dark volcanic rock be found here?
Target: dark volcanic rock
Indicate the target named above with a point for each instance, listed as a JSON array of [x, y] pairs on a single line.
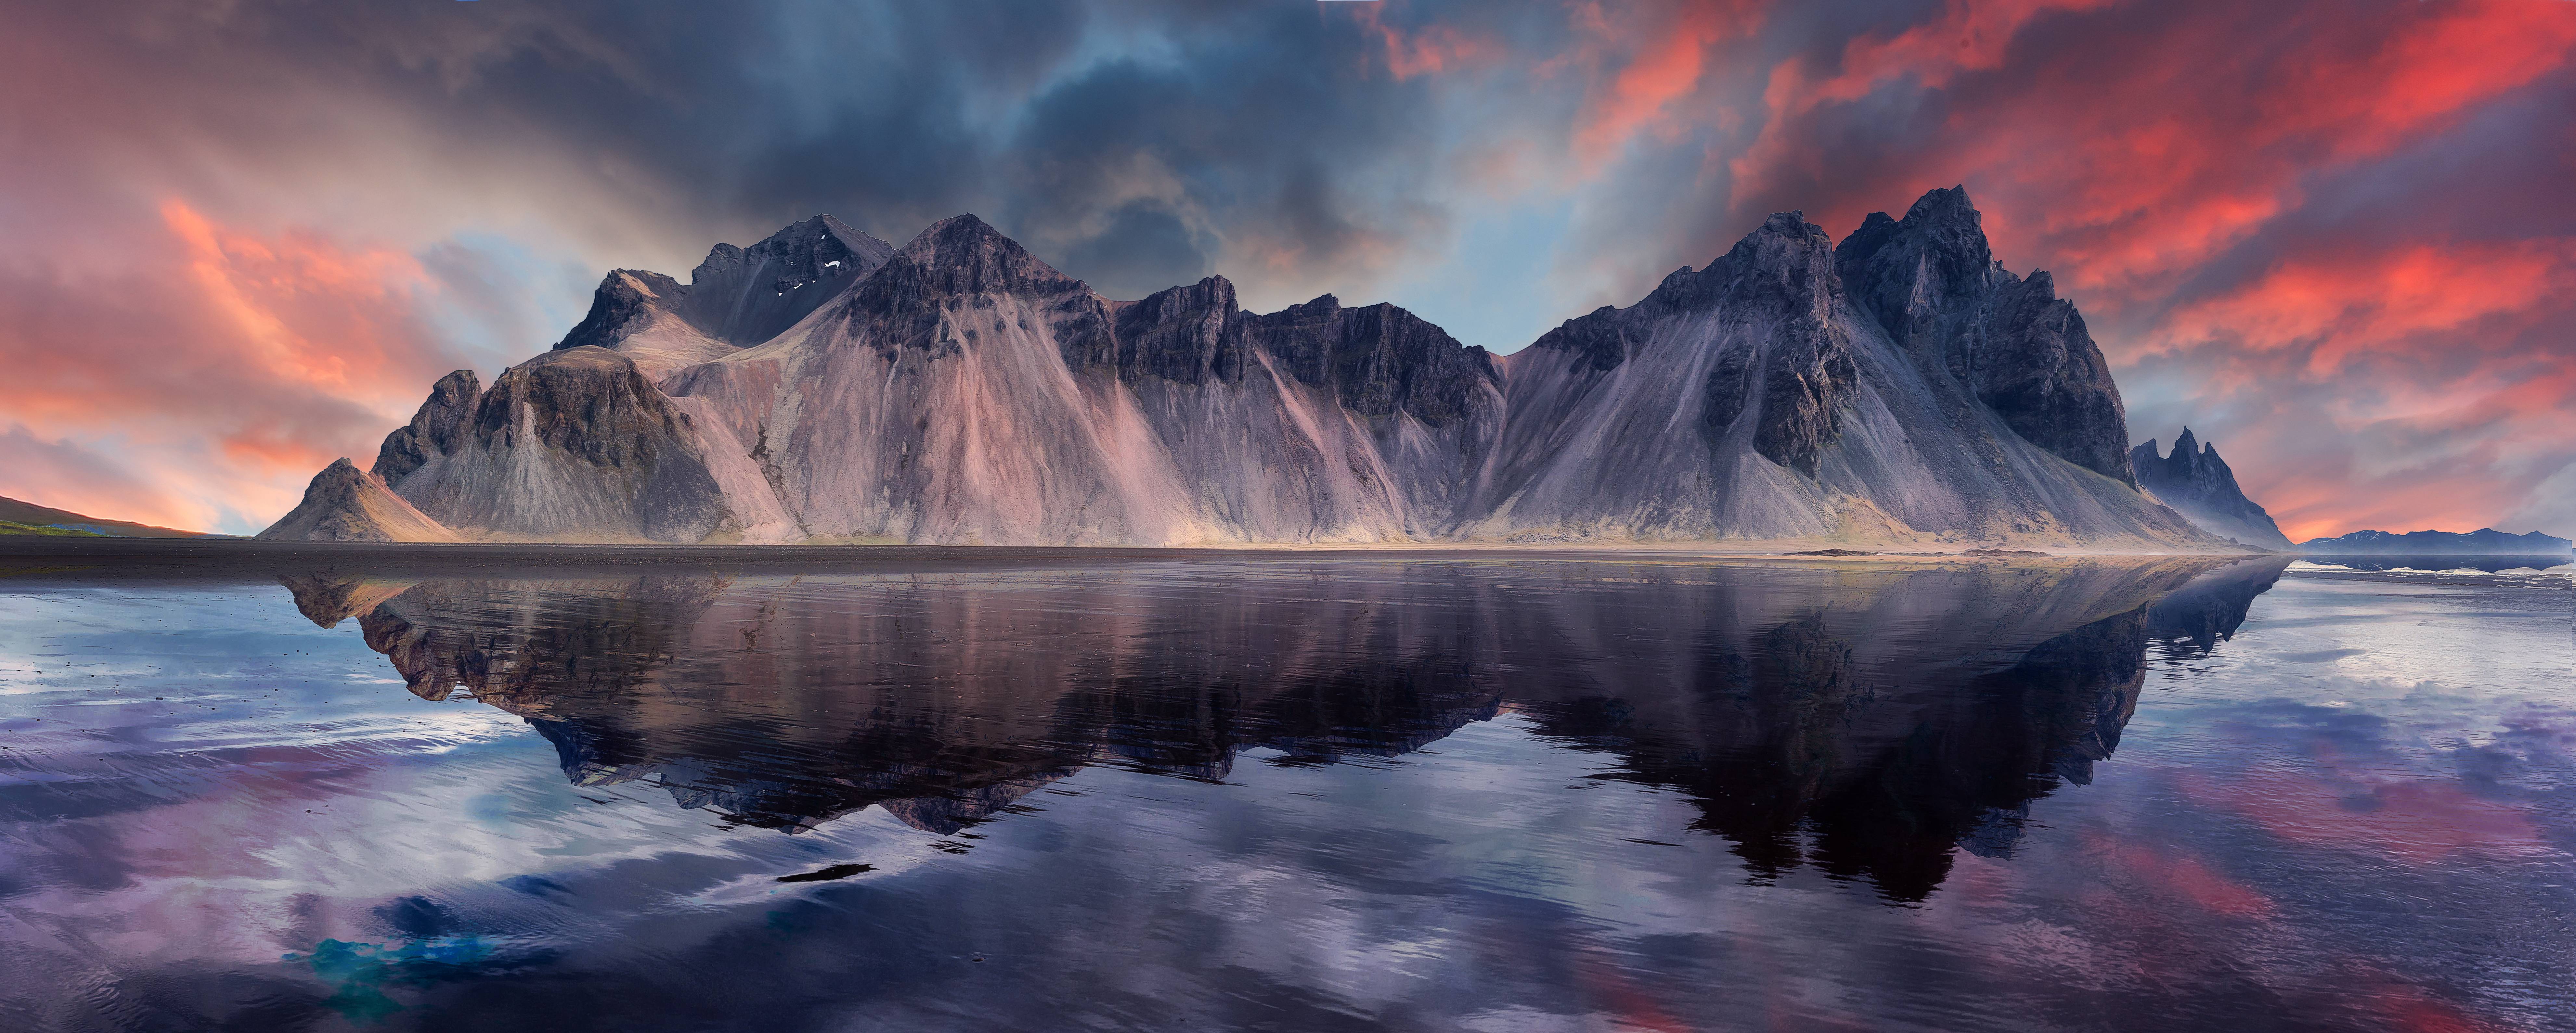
[[1187, 335], [1780, 278], [2199, 485], [576, 443], [737, 298], [965, 255], [745, 296], [625, 299], [1896, 386], [1932, 283], [434, 430], [1776, 289], [591, 404], [1377, 359], [2037, 367]]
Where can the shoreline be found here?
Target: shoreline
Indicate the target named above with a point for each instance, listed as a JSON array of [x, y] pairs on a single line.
[[49, 546], [206, 558]]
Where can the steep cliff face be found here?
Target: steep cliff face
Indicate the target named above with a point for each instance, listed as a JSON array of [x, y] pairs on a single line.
[[574, 445], [737, 298], [821, 386], [1932, 283], [970, 393], [2199, 485], [437, 429], [1897, 388]]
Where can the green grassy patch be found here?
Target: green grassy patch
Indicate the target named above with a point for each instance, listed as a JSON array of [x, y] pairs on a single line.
[[13, 527]]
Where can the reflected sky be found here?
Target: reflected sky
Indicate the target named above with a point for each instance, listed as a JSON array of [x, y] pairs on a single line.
[[1294, 793]]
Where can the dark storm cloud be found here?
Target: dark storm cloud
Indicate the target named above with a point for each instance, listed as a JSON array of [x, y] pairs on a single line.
[[1134, 135]]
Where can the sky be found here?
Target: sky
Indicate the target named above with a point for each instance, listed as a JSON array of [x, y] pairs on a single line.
[[2335, 237]]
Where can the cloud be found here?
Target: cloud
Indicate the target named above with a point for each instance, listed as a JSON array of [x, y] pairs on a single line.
[[2329, 236], [66, 475], [222, 367]]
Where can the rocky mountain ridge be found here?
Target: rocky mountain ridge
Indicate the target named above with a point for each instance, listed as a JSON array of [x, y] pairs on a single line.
[[1899, 387], [2485, 541], [2200, 486]]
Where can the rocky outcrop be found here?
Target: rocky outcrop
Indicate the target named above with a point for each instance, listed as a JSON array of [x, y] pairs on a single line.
[[578, 445], [1933, 284], [823, 386], [435, 430], [347, 504], [2485, 541], [738, 297], [968, 392], [1899, 387], [2199, 485]]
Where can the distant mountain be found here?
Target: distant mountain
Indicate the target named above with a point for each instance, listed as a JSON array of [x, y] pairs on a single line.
[[2484, 541], [346, 504], [2198, 485], [821, 386], [30, 518]]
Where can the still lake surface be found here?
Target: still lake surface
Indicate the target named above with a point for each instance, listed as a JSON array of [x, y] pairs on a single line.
[[1295, 793]]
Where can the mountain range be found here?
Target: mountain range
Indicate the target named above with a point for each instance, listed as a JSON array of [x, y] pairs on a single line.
[[1898, 387], [2485, 541]]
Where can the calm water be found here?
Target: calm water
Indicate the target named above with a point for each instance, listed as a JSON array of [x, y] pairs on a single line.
[[1293, 794]]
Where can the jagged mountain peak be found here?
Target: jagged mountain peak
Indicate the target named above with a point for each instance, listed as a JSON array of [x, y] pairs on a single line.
[[1931, 282], [434, 430], [963, 254], [812, 247], [1210, 292], [736, 298], [1321, 306], [2196, 483], [1785, 261], [1945, 205], [624, 301], [1906, 271], [959, 389]]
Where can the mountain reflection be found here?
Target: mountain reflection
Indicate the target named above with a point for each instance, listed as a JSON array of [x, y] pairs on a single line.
[[1864, 719]]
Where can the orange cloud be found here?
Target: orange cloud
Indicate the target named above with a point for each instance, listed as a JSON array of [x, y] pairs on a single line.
[[1647, 64], [1967, 37], [2132, 152], [2340, 304], [2143, 170], [222, 371], [1429, 50], [304, 309], [2162, 164]]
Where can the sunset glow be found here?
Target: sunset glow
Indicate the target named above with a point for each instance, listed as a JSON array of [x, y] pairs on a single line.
[[2334, 239]]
